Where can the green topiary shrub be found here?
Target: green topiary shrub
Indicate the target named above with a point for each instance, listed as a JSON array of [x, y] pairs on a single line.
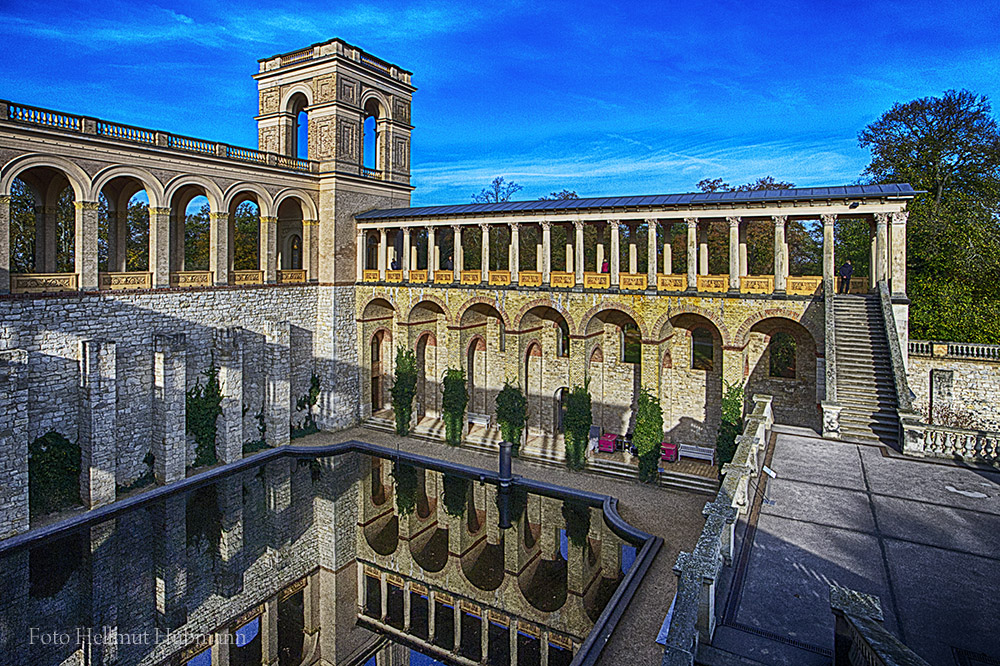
[[456, 494], [204, 405], [453, 404], [648, 435], [54, 473], [512, 412], [577, 517], [731, 425], [404, 388], [406, 487], [577, 426]]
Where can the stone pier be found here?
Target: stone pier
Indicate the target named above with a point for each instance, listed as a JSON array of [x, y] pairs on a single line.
[[13, 442], [170, 545], [169, 410], [98, 423], [229, 357], [277, 395]]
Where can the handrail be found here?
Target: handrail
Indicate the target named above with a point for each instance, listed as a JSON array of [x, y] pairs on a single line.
[[31, 115], [904, 396]]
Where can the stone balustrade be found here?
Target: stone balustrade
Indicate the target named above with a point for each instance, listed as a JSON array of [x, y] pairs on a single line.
[[964, 350], [972, 445], [694, 616]]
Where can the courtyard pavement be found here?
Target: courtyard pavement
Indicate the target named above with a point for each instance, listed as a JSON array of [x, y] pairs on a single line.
[[923, 536], [674, 515]]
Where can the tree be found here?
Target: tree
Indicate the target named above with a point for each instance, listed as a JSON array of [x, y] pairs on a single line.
[[648, 435], [511, 414], [404, 388], [948, 146], [196, 237], [731, 424], [497, 192], [562, 194], [453, 405], [246, 237], [577, 424]]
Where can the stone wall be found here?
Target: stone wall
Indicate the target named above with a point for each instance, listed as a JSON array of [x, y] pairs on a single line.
[[963, 392]]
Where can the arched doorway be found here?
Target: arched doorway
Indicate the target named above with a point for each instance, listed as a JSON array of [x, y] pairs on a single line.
[[422, 376], [376, 372]]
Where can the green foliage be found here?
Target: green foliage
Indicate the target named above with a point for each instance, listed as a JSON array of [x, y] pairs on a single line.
[[246, 237], [404, 389], [512, 411], [53, 473], [648, 435], [577, 424], [196, 237], [456, 494], [204, 405], [731, 425], [406, 487], [306, 403], [577, 517], [453, 404]]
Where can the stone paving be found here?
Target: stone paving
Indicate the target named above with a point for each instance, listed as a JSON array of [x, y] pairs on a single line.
[[671, 514], [922, 536]]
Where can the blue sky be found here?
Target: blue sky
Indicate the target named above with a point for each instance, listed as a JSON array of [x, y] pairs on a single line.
[[599, 97]]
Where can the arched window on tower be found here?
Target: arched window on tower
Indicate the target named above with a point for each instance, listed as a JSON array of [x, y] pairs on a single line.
[[298, 144], [371, 142], [702, 349], [781, 350]]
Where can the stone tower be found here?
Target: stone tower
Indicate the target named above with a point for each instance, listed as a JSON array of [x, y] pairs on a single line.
[[340, 87]]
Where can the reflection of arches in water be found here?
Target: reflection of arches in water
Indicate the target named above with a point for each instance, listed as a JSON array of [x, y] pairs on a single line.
[[484, 566], [382, 534], [544, 584], [376, 374], [430, 549]]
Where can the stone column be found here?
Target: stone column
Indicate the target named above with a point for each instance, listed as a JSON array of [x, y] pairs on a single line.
[[651, 229], [458, 253], [780, 253], [384, 596], [13, 442], [383, 253], [546, 252], [177, 222], [431, 254], [616, 254], [431, 613], [692, 253], [269, 633], [485, 258], [218, 247], [98, 406], [231, 535], [48, 221], [744, 263], [703, 248], [310, 249], [169, 546], [159, 246], [828, 258], [229, 356], [85, 240], [405, 261], [734, 253], [169, 386], [579, 252], [277, 395], [359, 260], [668, 259], [881, 246], [515, 251], [268, 248], [457, 619], [5, 243], [872, 255], [897, 246], [40, 231]]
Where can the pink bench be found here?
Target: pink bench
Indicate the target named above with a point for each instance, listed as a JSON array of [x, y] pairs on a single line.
[[669, 452], [606, 444]]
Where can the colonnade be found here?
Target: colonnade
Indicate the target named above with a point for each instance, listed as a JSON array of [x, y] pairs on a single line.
[[888, 256]]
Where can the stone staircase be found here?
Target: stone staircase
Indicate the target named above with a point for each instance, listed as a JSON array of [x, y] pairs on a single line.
[[865, 386]]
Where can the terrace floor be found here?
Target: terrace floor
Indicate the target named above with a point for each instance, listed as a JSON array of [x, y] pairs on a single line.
[[923, 536]]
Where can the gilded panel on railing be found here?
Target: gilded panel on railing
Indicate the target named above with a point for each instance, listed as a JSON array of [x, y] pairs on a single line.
[[191, 279], [296, 275], [370, 276], [806, 285], [562, 279], [757, 284], [596, 280], [40, 283], [472, 277], [444, 277], [394, 276], [632, 281], [529, 279], [124, 281], [713, 283], [671, 282], [418, 276], [244, 278], [499, 278]]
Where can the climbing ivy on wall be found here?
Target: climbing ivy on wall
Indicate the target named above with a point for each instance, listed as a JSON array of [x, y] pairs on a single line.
[[577, 421], [404, 388], [512, 412], [53, 474], [204, 405], [456, 491], [453, 404], [306, 403], [648, 435]]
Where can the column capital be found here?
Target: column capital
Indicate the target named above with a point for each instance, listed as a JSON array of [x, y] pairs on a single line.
[[692, 222], [545, 224], [652, 220], [86, 205], [4, 199], [159, 211], [828, 219], [406, 232], [578, 224], [779, 219], [515, 226], [734, 221], [900, 217], [310, 223], [267, 219], [882, 219], [485, 226], [218, 216]]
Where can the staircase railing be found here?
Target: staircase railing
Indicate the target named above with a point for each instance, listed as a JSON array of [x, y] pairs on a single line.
[[831, 408], [911, 427]]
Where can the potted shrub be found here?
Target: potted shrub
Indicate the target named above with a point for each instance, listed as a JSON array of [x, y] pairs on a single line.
[[453, 405], [648, 435]]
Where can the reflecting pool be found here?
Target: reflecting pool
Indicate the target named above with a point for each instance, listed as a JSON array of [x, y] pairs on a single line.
[[347, 559]]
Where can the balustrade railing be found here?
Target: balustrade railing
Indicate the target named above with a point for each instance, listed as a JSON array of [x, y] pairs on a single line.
[[298, 56], [374, 174], [945, 442], [967, 350], [375, 64], [41, 283], [124, 281], [65, 121]]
